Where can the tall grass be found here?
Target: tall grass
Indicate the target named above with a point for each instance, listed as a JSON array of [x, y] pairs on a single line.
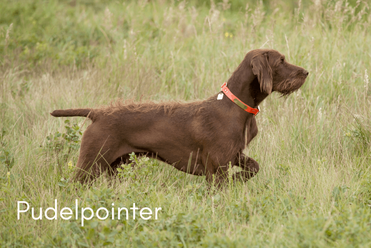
[[313, 147]]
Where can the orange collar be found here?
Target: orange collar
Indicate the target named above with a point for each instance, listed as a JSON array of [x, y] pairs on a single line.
[[237, 101]]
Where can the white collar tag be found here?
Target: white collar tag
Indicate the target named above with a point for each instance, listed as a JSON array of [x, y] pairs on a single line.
[[220, 96]]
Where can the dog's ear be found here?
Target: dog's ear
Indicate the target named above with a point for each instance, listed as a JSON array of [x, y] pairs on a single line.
[[261, 69]]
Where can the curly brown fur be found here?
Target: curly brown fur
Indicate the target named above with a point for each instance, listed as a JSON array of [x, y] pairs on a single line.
[[200, 138]]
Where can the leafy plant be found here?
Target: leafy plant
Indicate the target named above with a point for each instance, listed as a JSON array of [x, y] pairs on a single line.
[[96, 51], [61, 145], [138, 169]]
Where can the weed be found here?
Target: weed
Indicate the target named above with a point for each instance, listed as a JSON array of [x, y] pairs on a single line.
[[62, 145], [138, 169], [313, 147]]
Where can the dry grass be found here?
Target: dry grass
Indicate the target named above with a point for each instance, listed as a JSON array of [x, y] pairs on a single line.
[[313, 189]]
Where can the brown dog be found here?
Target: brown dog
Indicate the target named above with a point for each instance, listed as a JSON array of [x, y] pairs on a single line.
[[201, 137]]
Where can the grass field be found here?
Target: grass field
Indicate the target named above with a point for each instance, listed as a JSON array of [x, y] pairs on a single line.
[[313, 147]]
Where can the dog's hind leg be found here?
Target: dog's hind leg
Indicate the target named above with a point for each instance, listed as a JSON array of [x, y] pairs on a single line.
[[249, 168], [96, 154], [91, 165]]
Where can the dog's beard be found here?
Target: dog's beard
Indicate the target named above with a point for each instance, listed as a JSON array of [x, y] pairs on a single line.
[[291, 84]]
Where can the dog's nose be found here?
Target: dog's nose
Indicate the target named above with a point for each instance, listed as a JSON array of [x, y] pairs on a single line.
[[305, 72]]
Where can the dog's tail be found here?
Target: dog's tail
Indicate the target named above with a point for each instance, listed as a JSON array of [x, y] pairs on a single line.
[[73, 112]]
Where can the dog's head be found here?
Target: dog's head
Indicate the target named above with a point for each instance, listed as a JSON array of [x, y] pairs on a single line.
[[274, 73]]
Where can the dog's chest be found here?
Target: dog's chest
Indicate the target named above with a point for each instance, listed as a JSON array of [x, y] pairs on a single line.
[[251, 130]]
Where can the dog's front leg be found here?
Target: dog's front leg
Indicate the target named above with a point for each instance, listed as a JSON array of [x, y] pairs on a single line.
[[217, 177], [249, 168]]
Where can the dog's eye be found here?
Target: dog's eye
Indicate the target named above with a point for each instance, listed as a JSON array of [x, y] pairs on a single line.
[[282, 60]]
